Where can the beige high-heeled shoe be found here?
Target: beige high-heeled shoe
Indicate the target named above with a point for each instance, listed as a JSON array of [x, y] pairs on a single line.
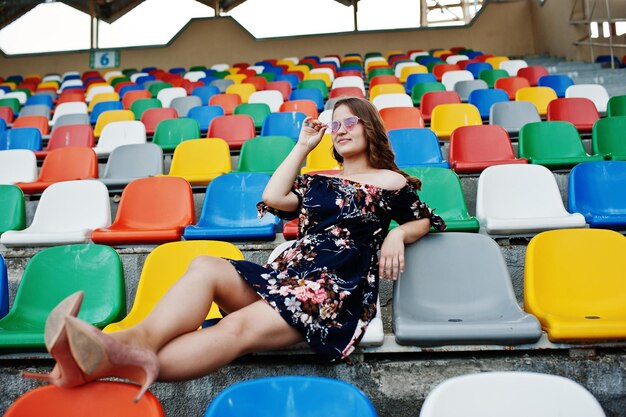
[[100, 355], [66, 372]]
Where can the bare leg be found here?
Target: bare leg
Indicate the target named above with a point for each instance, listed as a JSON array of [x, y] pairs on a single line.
[[253, 328]]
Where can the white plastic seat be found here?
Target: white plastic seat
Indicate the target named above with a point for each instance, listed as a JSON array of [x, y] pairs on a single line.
[[67, 213], [326, 116], [512, 66], [514, 199], [452, 77], [133, 77], [293, 59], [374, 59], [112, 74], [68, 73], [19, 95], [332, 59], [383, 101], [511, 394], [326, 71], [71, 83], [73, 107], [257, 68], [594, 92], [220, 67], [416, 54], [52, 77], [17, 165], [453, 59], [272, 98], [400, 66], [166, 95], [116, 134], [98, 89], [374, 334], [349, 81], [194, 76]]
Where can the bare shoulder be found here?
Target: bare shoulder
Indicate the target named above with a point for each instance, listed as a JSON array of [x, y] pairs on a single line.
[[386, 178]]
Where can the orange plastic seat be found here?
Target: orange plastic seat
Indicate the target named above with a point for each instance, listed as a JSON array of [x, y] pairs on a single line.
[[132, 96], [511, 85], [152, 211], [234, 129], [346, 92], [307, 107], [384, 79], [68, 135], [38, 122], [96, 399], [401, 118], [152, 117], [440, 69], [227, 102], [64, 164]]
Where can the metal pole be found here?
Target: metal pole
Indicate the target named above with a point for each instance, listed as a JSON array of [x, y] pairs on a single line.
[[355, 9], [216, 6], [91, 13], [608, 17]]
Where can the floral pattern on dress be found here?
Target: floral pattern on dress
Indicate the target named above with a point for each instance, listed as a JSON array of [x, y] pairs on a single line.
[[326, 283]]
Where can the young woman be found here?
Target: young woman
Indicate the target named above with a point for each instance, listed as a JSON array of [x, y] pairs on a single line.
[[323, 289]]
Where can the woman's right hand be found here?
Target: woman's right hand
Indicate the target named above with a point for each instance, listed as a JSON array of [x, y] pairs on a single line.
[[311, 133]]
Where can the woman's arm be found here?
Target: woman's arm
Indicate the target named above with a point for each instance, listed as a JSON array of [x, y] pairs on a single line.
[[392, 250], [277, 193]]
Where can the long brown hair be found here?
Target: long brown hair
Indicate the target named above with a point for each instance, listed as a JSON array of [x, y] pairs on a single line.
[[379, 152]]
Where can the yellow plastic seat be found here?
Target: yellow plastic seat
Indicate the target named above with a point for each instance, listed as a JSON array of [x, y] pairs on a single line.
[[416, 69], [110, 117], [237, 78], [386, 89], [495, 61], [575, 284], [102, 97], [321, 158], [352, 58], [440, 52], [539, 96], [162, 268], [302, 68], [288, 62], [243, 90], [320, 76], [9, 84], [199, 161], [48, 84], [447, 117], [233, 70], [393, 52], [373, 64]]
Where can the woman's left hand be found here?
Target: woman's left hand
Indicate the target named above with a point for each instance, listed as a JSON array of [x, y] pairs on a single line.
[[391, 262]]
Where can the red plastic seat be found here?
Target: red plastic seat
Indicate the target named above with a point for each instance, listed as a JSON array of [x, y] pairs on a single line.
[[581, 112], [440, 69], [135, 95], [290, 229], [260, 83], [227, 102], [511, 85], [307, 107], [483, 57], [283, 86], [401, 118], [384, 79], [69, 135], [6, 113], [152, 117], [434, 98], [63, 164], [474, 148], [234, 129], [38, 122], [71, 96], [532, 73], [151, 211], [346, 92]]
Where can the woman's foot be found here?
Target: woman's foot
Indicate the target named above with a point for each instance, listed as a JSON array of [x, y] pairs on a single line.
[[100, 355]]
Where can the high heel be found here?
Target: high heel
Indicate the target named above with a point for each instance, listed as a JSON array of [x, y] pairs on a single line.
[[100, 355], [66, 372]]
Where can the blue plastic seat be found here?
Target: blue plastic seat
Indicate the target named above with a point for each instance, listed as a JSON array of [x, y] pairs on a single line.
[[144, 79], [205, 93], [416, 147], [204, 115], [312, 94], [596, 190], [229, 210], [3, 126], [484, 99], [21, 138], [178, 70], [417, 79], [477, 67], [103, 106], [4, 288], [289, 396], [283, 124], [127, 88], [557, 82], [292, 79], [39, 99]]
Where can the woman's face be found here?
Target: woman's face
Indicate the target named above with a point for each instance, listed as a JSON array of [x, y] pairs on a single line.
[[348, 141]]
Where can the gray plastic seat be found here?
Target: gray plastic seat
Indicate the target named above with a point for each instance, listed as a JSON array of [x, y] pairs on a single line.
[[513, 115], [464, 88], [330, 103], [36, 110], [72, 119], [456, 289], [182, 105], [129, 162], [222, 85]]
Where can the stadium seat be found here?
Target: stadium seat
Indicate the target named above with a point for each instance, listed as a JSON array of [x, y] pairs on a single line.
[[98, 399], [512, 116], [151, 118], [616, 106], [156, 87], [317, 84], [151, 211], [183, 105], [345, 92], [474, 148], [38, 122], [477, 67], [496, 61], [456, 290], [284, 87], [273, 98], [17, 165], [383, 101], [558, 82], [607, 138], [111, 116], [286, 396], [42, 110], [420, 89], [484, 99], [257, 111], [553, 144], [580, 112], [417, 79], [102, 107], [4, 279], [514, 394], [221, 85], [130, 97], [416, 147], [229, 210], [511, 85], [21, 138], [512, 66], [596, 192], [514, 199], [264, 154], [199, 161], [129, 162], [433, 99], [242, 90], [12, 217], [6, 114], [11, 103], [166, 95], [169, 133], [234, 129], [205, 93], [227, 102], [450, 78], [283, 124], [139, 107], [465, 88], [53, 274], [490, 76], [385, 89], [68, 108], [442, 191], [539, 96], [205, 114], [312, 94], [349, 81], [120, 133], [100, 98], [532, 73], [561, 284], [447, 117], [321, 157], [308, 107], [401, 118], [594, 92]]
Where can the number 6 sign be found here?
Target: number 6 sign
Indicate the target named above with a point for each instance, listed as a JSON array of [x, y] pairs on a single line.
[[104, 59]]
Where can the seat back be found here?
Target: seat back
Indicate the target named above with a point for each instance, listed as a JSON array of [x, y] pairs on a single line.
[[477, 67], [580, 112], [42, 110], [242, 90], [284, 87], [264, 154], [384, 101], [594, 92], [401, 118], [140, 106], [532, 73], [308, 107], [17, 165], [283, 124], [544, 140], [513, 115], [68, 108], [69, 163], [121, 133], [512, 66], [72, 119], [321, 157], [464, 88], [183, 104], [596, 191], [12, 215], [21, 138], [234, 129], [616, 106], [205, 93], [71, 135], [102, 107], [131, 96], [170, 132], [433, 99], [378, 89], [134, 161], [201, 160], [166, 95], [480, 143], [111, 116], [414, 147], [4, 281], [607, 137], [205, 114], [227, 102], [511, 85], [539, 96], [491, 75], [557, 82], [312, 94], [484, 99], [420, 89], [450, 78], [447, 117], [273, 98], [258, 112]]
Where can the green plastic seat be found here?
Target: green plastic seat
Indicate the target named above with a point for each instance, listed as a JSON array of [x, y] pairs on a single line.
[[258, 112], [264, 153], [616, 106], [442, 191], [220, 74], [53, 274], [169, 133], [129, 71], [372, 54], [13, 103], [555, 145], [607, 137], [12, 208], [319, 84], [269, 76], [156, 87], [197, 68], [379, 71], [490, 76], [420, 89], [140, 106], [115, 81], [352, 64], [430, 65]]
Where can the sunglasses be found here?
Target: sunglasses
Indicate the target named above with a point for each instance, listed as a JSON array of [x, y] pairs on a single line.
[[349, 123]]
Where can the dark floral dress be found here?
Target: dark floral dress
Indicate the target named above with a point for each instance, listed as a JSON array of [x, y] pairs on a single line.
[[326, 283]]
